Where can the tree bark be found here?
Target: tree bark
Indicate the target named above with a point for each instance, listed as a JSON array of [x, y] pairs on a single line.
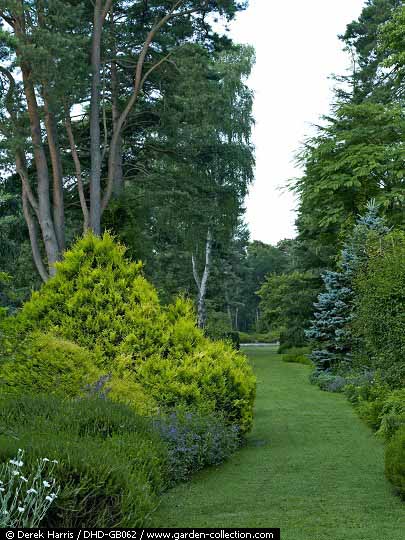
[[202, 284], [21, 167], [44, 205], [28, 198], [100, 12], [57, 174], [33, 234], [95, 152], [54, 151], [29, 204]]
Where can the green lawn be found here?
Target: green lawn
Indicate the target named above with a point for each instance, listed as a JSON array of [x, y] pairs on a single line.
[[310, 467]]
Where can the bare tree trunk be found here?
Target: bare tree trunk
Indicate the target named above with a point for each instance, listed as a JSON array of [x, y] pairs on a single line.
[[29, 204], [54, 151], [236, 319], [202, 284], [95, 152], [57, 174], [21, 167], [33, 234], [44, 205], [101, 9], [28, 198]]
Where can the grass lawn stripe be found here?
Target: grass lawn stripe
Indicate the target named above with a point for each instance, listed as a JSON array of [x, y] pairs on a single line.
[[310, 467]]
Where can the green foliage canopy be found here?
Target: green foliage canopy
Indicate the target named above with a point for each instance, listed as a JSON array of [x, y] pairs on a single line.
[[380, 317]]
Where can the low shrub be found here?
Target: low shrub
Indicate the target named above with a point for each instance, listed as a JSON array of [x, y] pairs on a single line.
[[298, 355], [370, 412], [213, 378], [392, 416], [368, 399], [380, 407], [48, 364], [244, 337], [359, 385], [395, 461], [269, 337], [45, 363], [195, 441], [111, 462], [328, 381]]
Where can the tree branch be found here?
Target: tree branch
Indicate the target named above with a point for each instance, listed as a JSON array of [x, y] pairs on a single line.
[[8, 100], [78, 169], [139, 81], [155, 66], [105, 144], [19, 154]]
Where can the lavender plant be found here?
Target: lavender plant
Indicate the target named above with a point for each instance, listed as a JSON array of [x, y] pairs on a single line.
[[25, 497], [194, 441]]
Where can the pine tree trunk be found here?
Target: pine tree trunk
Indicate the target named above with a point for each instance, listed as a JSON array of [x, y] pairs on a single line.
[[33, 234], [95, 152], [44, 205], [57, 174]]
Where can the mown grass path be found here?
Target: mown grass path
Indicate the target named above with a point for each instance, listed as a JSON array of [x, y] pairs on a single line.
[[310, 467]]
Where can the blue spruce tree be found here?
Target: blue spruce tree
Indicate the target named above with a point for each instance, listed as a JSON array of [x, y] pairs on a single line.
[[330, 330]]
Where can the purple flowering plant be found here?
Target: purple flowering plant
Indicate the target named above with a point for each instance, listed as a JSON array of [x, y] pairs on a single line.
[[195, 440]]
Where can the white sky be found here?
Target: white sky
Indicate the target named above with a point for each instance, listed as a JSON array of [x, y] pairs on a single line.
[[296, 50]]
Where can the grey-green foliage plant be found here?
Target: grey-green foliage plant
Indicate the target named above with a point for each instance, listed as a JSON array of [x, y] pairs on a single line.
[[330, 331], [26, 496]]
